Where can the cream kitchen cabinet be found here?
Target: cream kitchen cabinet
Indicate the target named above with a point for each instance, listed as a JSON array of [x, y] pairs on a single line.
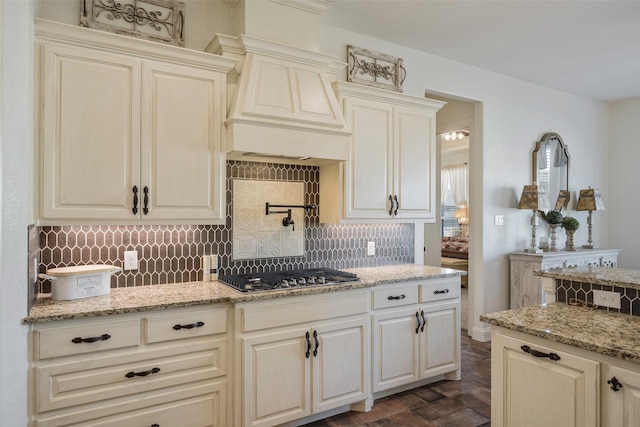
[[391, 171], [535, 382], [302, 356], [416, 332], [129, 130], [131, 370], [621, 397]]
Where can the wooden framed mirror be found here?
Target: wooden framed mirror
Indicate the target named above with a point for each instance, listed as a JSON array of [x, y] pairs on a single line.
[[551, 169]]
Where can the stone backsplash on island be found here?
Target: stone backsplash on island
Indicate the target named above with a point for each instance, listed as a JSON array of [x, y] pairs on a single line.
[[569, 290]]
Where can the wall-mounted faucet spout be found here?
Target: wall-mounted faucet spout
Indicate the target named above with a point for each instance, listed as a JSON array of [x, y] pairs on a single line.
[[288, 220]]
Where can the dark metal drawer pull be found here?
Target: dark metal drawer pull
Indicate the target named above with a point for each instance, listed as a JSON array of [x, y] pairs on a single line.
[[102, 337], [191, 326], [424, 321], [308, 353], [446, 291], [135, 200], [397, 205], [418, 319], [615, 384], [155, 425], [315, 337], [142, 374], [145, 209], [391, 297], [390, 205], [537, 353]]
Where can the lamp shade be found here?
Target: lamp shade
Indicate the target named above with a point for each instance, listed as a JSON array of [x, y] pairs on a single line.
[[462, 211], [534, 197], [590, 200]]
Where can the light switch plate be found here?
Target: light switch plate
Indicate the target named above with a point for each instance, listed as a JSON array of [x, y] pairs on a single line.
[[130, 260]]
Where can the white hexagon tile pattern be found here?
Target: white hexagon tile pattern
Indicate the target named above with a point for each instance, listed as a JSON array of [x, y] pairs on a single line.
[[169, 253]]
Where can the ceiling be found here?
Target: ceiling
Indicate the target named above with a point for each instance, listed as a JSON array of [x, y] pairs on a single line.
[[587, 48]]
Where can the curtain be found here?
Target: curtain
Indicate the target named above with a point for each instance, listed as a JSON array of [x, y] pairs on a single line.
[[456, 177]]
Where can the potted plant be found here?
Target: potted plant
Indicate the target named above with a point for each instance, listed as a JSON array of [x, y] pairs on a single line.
[[570, 224], [554, 219]]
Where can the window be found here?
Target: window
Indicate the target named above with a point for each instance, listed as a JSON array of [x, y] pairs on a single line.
[[449, 226]]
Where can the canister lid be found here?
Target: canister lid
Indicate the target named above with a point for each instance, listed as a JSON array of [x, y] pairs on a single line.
[[79, 269]]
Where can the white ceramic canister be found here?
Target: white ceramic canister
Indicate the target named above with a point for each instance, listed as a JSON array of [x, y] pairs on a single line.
[[80, 281]]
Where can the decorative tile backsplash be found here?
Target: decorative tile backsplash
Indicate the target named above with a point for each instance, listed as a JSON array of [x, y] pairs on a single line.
[[172, 253], [258, 235], [568, 290]]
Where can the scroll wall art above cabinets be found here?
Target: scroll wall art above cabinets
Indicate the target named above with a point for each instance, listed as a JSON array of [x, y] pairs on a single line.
[[391, 172], [130, 130]]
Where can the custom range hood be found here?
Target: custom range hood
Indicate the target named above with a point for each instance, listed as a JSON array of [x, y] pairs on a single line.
[[281, 103]]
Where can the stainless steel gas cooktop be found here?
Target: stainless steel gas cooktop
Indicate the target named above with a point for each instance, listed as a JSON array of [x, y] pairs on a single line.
[[290, 279]]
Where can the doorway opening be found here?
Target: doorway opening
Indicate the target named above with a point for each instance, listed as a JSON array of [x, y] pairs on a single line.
[[450, 241]]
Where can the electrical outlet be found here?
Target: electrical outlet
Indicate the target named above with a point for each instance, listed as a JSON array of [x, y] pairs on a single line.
[[371, 248], [498, 220], [606, 299], [130, 260]]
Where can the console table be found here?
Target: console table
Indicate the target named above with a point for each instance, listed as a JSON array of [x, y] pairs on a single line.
[[526, 288]]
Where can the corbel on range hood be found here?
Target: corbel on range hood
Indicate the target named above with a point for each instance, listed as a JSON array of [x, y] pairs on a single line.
[[281, 103]]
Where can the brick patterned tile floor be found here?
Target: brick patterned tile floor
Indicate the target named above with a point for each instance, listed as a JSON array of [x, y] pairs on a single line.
[[464, 403]]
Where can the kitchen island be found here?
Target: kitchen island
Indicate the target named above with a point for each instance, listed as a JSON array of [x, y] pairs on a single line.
[[561, 364], [146, 354]]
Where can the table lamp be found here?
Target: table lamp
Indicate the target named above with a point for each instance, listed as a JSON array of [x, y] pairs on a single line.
[[590, 200], [462, 214], [535, 198]]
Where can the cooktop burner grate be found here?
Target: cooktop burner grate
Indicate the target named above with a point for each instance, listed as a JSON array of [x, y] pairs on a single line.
[[290, 279]]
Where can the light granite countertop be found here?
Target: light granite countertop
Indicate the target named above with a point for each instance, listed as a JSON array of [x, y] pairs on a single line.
[[611, 334], [597, 275], [159, 297]]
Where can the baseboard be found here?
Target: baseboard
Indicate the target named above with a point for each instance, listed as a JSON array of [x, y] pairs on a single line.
[[482, 334]]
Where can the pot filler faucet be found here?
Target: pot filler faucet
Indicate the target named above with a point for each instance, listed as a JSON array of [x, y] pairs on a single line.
[[287, 220]]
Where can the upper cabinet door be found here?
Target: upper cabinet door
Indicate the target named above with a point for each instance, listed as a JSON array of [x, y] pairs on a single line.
[[90, 132], [367, 175], [182, 163], [414, 134]]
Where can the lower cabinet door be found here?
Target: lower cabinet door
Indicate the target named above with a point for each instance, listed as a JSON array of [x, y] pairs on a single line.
[[276, 377], [395, 348], [340, 360], [439, 342], [622, 392], [534, 385]]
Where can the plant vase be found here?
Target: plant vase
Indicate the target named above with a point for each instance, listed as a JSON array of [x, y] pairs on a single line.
[[570, 246], [552, 245]]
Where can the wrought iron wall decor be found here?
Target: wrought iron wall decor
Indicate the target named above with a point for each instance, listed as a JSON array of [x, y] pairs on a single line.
[[376, 69], [158, 20]]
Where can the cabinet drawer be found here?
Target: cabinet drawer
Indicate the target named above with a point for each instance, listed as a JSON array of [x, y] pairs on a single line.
[[271, 315], [80, 339], [188, 402], [395, 296], [439, 289], [187, 324], [86, 381]]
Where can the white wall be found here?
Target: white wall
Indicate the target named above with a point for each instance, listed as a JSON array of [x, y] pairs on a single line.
[[621, 201], [16, 114], [514, 116]]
